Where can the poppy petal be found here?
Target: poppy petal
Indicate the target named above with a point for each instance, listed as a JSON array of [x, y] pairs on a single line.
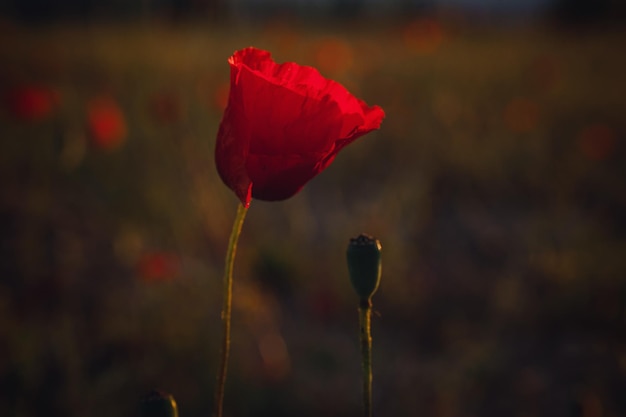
[[284, 124]]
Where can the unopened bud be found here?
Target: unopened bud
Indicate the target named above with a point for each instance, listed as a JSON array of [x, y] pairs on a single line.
[[159, 404], [364, 265]]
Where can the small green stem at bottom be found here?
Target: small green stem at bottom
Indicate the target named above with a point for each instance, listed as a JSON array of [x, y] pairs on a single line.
[[226, 308]]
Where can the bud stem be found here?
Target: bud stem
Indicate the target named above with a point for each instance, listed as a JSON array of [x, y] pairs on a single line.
[[365, 314], [227, 307]]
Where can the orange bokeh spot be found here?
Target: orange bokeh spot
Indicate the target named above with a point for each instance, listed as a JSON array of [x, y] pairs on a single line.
[[221, 95], [333, 55], [158, 266], [30, 103], [106, 123], [521, 115], [544, 73], [423, 35], [597, 142]]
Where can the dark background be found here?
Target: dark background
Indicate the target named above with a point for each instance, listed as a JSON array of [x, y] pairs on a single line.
[[198, 10], [496, 185]]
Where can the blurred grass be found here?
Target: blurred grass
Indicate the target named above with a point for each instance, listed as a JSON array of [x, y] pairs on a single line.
[[496, 185]]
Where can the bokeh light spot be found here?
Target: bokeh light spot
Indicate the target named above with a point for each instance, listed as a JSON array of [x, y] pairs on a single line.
[[128, 246], [423, 36], [521, 115], [158, 266], [591, 405], [333, 56], [544, 73], [597, 142], [221, 95], [106, 123], [30, 103]]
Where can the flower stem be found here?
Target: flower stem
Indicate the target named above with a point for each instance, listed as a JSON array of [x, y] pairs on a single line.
[[226, 308], [365, 314]]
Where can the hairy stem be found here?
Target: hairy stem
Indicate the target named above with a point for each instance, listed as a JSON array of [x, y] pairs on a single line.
[[226, 308], [365, 314]]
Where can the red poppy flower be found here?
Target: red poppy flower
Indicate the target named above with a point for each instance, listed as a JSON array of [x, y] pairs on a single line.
[[284, 124]]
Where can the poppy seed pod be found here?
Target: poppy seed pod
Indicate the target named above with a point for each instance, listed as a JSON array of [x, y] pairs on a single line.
[[159, 404], [364, 265]]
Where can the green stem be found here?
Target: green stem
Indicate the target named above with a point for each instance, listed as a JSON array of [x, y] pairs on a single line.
[[365, 314], [226, 308]]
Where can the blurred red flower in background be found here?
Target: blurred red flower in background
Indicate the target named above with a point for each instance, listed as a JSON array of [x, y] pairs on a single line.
[[30, 103], [158, 266], [284, 124], [597, 141], [106, 122]]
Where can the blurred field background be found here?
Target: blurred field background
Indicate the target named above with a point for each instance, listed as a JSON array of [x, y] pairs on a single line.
[[497, 185]]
